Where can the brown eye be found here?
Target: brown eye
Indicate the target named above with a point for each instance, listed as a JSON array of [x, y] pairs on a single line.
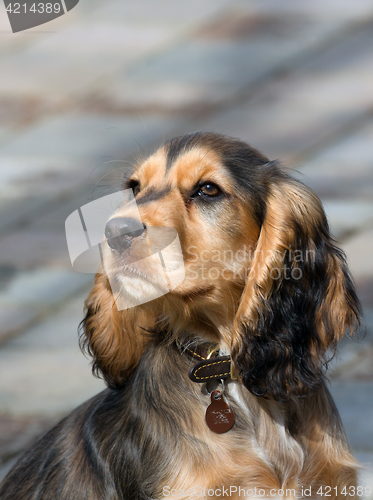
[[134, 185], [209, 189]]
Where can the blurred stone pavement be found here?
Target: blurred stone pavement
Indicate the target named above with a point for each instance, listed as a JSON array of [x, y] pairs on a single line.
[[90, 91]]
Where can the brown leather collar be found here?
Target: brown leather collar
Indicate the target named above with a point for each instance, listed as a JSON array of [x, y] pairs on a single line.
[[210, 367]]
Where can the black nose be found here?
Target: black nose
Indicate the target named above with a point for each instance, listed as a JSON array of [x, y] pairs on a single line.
[[120, 232]]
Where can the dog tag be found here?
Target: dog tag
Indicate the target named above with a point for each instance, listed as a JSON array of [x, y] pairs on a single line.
[[219, 415]]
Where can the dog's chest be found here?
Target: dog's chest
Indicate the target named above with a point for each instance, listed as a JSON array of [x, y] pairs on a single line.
[[234, 462]]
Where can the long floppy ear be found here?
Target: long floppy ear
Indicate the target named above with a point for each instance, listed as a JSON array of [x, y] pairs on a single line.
[[113, 338], [299, 298]]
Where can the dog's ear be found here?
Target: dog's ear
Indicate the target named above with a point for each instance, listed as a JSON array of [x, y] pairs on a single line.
[[113, 338], [299, 298]]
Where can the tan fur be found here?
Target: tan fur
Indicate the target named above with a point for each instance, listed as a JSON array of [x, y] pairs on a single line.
[[290, 201], [264, 454], [114, 338]]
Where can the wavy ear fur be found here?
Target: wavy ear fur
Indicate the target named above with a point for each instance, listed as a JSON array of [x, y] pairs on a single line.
[[299, 298], [113, 338]]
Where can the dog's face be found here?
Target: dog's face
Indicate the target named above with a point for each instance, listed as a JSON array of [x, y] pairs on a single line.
[[186, 187], [262, 277]]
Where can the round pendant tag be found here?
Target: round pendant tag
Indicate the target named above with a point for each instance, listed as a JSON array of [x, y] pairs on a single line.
[[219, 415]]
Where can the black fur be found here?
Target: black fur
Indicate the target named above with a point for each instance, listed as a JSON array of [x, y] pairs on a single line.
[[152, 195], [282, 355]]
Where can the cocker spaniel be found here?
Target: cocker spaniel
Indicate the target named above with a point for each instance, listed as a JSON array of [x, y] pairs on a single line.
[[216, 388]]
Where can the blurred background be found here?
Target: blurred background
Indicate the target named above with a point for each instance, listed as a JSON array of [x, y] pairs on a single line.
[[88, 92]]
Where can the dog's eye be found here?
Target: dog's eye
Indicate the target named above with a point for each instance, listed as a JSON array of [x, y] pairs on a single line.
[[134, 185], [209, 189]]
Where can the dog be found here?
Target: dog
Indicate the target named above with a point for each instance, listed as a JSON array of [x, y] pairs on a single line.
[[246, 337]]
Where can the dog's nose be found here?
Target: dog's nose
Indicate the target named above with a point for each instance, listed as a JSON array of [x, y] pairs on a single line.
[[121, 231]]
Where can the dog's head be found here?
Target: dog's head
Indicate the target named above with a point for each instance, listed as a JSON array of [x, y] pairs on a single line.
[[262, 275]]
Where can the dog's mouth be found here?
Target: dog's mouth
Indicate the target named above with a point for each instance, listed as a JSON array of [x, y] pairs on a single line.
[[139, 276], [131, 272], [143, 266]]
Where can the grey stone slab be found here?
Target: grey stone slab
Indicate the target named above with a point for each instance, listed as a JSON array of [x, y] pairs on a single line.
[[41, 203], [25, 61], [296, 112], [346, 216], [76, 137], [359, 255], [147, 95], [46, 68], [350, 51], [51, 376], [14, 317], [60, 330], [345, 168], [246, 21], [335, 9], [333, 179], [50, 383], [212, 66], [34, 247], [106, 39], [33, 229], [43, 285], [362, 370], [352, 350], [103, 43], [28, 199], [355, 403], [32, 294], [17, 168], [233, 63], [355, 356], [164, 12], [287, 116], [366, 474], [18, 111], [354, 150]]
